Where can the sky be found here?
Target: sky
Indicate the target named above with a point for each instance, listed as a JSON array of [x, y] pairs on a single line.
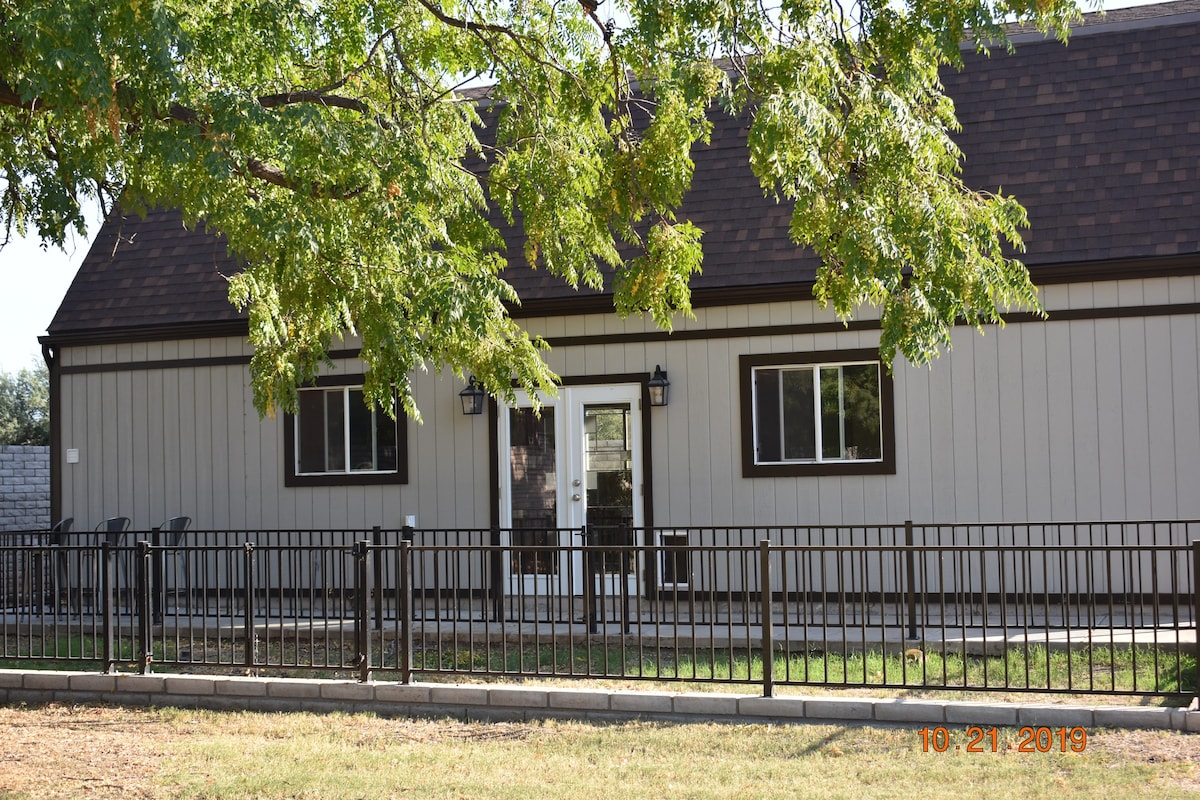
[[34, 279]]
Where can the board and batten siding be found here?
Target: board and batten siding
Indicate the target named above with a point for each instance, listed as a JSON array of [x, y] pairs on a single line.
[[1084, 417], [158, 441], [1057, 420]]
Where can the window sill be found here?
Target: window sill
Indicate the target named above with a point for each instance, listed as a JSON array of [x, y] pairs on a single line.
[[813, 470]]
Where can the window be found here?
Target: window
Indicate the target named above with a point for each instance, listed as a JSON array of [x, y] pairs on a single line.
[[674, 560], [335, 438], [816, 414]]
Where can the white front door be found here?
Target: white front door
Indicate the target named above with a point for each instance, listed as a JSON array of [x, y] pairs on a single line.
[[578, 463]]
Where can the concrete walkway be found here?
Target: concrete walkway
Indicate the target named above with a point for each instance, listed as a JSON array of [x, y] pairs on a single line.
[[516, 703]]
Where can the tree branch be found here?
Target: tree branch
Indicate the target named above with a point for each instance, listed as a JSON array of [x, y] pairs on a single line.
[[10, 97], [317, 97], [269, 173]]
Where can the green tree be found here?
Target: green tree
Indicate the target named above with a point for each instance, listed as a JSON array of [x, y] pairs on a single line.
[[338, 147], [25, 406]]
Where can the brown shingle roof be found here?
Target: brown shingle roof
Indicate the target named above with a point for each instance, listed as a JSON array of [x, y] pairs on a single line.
[[1099, 140], [148, 273]]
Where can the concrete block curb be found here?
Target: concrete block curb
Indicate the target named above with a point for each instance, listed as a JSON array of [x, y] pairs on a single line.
[[93, 683], [1056, 716], [47, 681], [827, 708], [1133, 717], [782, 707], [579, 699], [517, 697], [910, 711], [402, 693], [642, 702], [509, 702], [344, 690], [10, 679], [292, 688], [981, 713], [147, 684], [451, 694], [241, 687], [705, 705], [191, 685]]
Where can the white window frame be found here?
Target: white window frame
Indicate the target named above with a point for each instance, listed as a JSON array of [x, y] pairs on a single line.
[[819, 433], [347, 475], [348, 469]]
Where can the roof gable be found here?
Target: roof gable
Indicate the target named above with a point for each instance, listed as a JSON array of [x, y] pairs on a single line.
[[1099, 140]]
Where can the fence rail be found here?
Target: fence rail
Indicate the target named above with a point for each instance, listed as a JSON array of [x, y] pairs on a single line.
[[1079, 607]]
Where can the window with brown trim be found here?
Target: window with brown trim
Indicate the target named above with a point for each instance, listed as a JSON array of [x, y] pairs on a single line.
[[336, 439], [820, 413]]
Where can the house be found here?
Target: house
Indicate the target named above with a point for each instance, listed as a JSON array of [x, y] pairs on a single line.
[[1093, 414]]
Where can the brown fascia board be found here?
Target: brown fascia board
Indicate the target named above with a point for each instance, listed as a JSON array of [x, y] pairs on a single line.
[[701, 298], [1078, 272], [148, 333], [1116, 269], [1048, 275]]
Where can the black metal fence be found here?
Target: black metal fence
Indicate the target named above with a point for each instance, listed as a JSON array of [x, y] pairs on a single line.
[[1079, 607]]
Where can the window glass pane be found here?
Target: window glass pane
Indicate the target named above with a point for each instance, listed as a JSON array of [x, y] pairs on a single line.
[[310, 432], [362, 433], [532, 462], [322, 435], [831, 412], [799, 425], [385, 442], [335, 423], [766, 415], [860, 401]]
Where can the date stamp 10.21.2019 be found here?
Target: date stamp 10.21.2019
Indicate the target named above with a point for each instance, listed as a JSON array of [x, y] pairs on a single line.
[[976, 739]]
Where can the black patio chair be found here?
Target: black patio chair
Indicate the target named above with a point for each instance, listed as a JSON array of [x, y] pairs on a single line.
[[56, 564], [111, 531], [176, 538]]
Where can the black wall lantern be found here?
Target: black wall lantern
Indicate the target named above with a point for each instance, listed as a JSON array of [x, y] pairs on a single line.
[[658, 387], [472, 398]]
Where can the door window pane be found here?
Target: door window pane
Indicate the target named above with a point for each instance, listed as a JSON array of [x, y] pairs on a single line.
[[608, 465], [533, 470]]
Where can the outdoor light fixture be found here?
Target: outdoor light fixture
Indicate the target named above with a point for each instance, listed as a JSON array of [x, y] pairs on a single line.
[[472, 398], [658, 387]]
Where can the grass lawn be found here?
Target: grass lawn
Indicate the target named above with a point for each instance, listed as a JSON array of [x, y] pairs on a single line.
[[102, 752], [1122, 669]]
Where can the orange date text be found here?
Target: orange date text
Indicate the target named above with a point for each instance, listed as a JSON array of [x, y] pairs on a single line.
[[976, 739]]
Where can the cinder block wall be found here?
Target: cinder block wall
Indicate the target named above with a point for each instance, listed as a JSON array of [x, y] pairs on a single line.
[[24, 488]]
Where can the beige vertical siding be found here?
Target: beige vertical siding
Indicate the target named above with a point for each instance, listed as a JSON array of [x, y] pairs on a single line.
[[155, 443], [1056, 420]]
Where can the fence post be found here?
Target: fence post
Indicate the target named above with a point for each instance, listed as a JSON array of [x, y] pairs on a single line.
[[405, 611], [377, 584], [362, 587], [107, 577], [248, 634], [144, 588], [1196, 609], [589, 574], [911, 578], [496, 565], [156, 577], [768, 643]]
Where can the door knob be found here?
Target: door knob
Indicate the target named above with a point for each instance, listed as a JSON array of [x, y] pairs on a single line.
[[575, 497]]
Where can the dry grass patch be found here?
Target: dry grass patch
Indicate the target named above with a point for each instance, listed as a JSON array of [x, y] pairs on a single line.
[[104, 752]]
